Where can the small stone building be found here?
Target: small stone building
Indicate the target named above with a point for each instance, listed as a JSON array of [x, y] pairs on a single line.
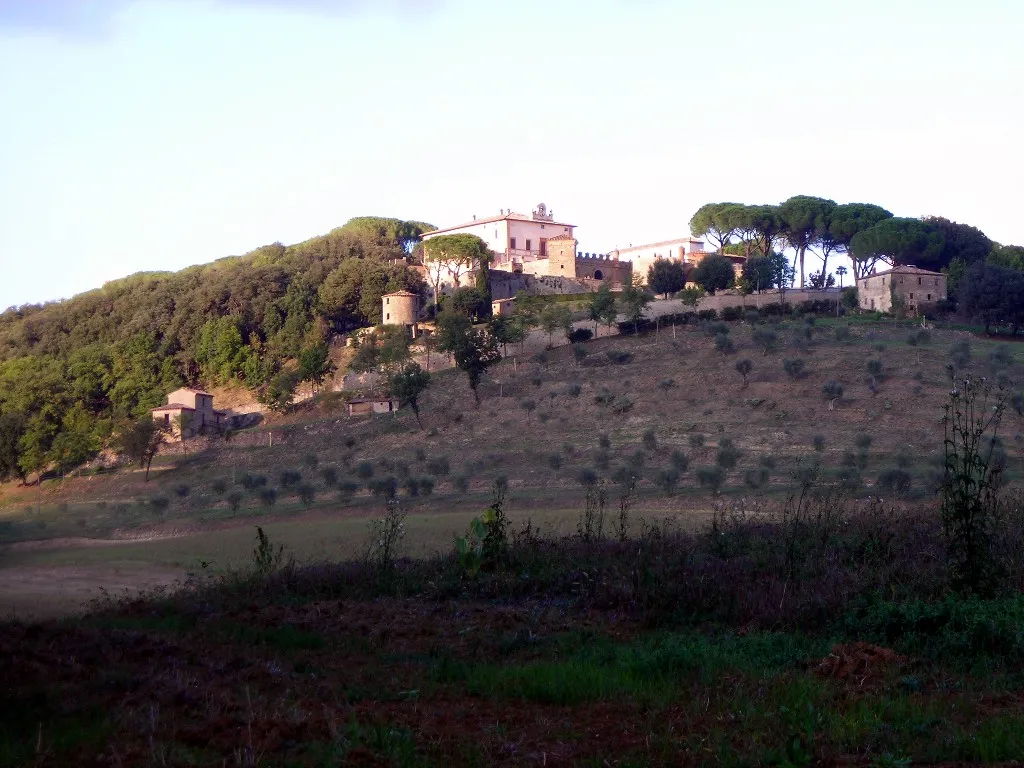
[[188, 412], [503, 307], [916, 287], [364, 406]]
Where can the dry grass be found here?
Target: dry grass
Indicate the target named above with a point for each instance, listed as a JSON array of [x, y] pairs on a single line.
[[678, 385]]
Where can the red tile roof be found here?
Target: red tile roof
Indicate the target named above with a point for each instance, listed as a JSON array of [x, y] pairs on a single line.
[[172, 407], [904, 270]]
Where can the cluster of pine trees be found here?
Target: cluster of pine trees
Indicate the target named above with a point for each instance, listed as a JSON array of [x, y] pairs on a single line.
[[72, 371]]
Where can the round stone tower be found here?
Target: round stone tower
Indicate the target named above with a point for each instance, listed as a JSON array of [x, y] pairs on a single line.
[[400, 308]]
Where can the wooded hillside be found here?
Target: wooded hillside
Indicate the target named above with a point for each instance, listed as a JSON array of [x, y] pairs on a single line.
[[70, 369]]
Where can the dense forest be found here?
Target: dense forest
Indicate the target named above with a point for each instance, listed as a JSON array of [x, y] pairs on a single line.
[[70, 371]]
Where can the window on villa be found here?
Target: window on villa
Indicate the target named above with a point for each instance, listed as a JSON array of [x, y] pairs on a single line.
[[929, 297], [167, 419], [527, 245], [387, 316], [911, 295], [387, 301], [919, 281], [512, 243]]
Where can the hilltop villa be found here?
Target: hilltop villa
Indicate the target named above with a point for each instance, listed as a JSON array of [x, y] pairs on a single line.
[[515, 238], [533, 245]]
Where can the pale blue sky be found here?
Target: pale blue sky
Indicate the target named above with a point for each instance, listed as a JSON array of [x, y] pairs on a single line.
[[154, 134]]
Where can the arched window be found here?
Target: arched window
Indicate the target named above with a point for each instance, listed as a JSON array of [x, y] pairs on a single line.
[[598, 275]]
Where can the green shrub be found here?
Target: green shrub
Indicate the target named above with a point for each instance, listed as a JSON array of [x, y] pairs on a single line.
[[711, 477], [724, 344], [679, 461], [756, 478], [412, 486], [364, 470], [460, 483], [896, 481], [728, 455], [306, 493], [160, 503], [619, 357], [668, 480], [696, 440], [427, 484], [832, 390], [439, 466], [268, 496], [587, 476], [793, 368], [766, 339], [310, 460], [385, 487], [289, 478], [219, 486], [330, 476], [819, 443], [252, 482], [348, 487], [650, 440], [623, 404], [181, 491], [234, 500], [555, 461]]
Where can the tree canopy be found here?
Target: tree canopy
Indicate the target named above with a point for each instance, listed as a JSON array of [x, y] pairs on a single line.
[[70, 368], [898, 241], [804, 221], [717, 222], [666, 276], [713, 273]]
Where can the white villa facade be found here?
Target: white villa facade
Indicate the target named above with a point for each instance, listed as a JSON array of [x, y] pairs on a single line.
[[516, 239], [643, 256]]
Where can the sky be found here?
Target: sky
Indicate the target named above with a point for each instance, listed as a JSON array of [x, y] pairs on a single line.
[[155, 134]]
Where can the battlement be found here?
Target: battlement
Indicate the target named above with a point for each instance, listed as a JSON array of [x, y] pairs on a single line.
[[596, 256]]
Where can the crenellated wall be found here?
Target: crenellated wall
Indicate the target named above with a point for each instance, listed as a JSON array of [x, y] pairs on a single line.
[[604, 268]]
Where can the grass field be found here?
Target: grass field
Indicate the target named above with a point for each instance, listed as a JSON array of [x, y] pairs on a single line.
[[728, 624]]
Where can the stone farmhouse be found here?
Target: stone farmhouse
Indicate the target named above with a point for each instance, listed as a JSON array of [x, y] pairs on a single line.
[[916, 287], [197, 409]]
